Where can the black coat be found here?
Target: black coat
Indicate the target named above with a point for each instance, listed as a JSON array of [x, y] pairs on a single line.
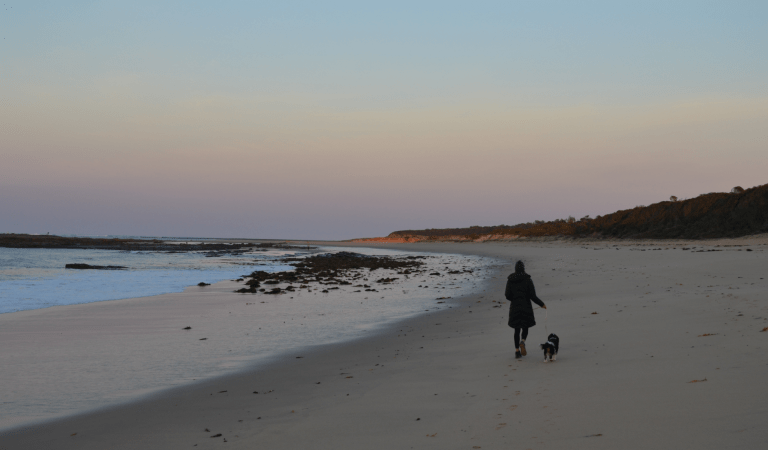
[[520, 292]]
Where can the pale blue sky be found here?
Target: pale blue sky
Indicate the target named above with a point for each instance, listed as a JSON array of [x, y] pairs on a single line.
[[370, 118], [564, 51]]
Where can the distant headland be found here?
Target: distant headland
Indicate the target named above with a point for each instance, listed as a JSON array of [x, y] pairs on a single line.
[[12, 240], [740, 212]]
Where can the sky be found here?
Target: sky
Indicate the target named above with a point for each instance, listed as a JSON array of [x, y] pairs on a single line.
[[337, 120]]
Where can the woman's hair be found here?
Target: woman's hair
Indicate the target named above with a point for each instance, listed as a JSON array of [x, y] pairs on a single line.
[[519, 267]]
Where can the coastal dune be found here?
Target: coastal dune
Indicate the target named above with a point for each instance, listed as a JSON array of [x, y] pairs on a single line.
[[662, 345]]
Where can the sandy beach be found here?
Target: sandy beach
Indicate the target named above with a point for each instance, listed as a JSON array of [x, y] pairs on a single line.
[[661, 347]]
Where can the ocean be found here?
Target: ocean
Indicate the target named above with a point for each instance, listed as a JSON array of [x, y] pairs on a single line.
[[36, 278]]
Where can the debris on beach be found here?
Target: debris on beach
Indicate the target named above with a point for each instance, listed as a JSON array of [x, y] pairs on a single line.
[[332, 270], [387, 280]]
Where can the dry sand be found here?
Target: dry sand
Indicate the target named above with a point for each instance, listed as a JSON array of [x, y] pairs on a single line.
[[659, 349]]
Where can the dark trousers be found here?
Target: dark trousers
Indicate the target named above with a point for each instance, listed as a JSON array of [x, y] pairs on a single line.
[[517, 336]]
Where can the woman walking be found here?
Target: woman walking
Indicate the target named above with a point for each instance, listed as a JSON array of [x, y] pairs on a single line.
[[520, 292]]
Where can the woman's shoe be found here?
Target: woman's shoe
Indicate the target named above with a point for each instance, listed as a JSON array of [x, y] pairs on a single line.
[[522, 348], [518, 355]]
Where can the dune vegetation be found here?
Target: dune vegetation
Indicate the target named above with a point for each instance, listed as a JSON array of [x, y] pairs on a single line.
[[737, 213]]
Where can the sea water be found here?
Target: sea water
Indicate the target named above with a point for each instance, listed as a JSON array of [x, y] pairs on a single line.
[[32, 278], [107, 363]]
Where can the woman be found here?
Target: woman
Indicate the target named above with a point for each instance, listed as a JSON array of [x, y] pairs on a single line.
[[520, 292]]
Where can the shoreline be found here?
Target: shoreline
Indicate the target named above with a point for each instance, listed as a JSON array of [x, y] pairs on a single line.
[[150, 332], [269, 363], [631, 368]]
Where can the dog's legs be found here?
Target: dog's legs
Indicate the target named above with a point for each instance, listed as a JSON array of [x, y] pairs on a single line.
[[554, 357]]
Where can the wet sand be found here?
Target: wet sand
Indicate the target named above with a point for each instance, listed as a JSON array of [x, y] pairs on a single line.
[[659, 348]]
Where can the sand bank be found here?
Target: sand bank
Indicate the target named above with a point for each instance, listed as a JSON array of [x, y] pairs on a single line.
[[660, 347]]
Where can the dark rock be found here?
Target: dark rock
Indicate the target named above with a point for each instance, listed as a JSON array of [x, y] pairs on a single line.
[[90, 267], [251, 290], [203, 284], [386, 280]]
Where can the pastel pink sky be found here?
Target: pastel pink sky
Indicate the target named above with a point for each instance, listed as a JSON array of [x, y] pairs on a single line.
[[317, 146]]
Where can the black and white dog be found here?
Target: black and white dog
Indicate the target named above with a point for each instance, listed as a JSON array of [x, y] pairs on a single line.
[[550, 347]]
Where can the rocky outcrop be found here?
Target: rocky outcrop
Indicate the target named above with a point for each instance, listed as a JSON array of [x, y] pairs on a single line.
[[90, 267], [145, 245], [330, 270]]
